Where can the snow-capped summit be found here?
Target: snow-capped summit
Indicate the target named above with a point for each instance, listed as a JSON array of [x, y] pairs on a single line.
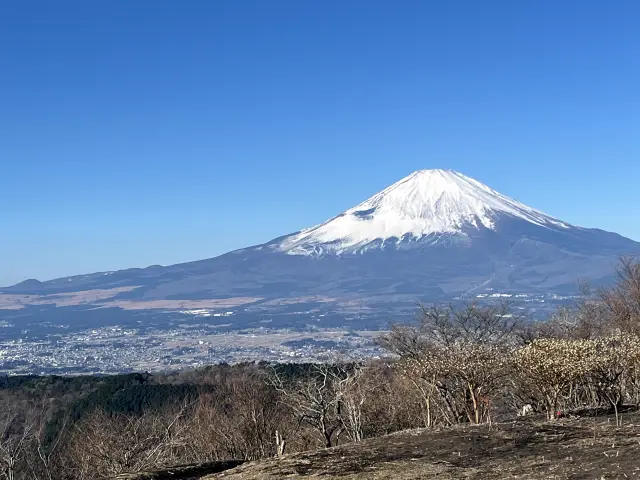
[[425, 203]]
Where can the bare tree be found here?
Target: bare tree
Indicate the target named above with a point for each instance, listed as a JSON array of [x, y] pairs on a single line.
[[104, 445], [314, 400], [391, 401], [468, 323], [354, 386], [43, 457], [239, 420], [622, 301], [16, 431], [456, 357], [462, 377], [451, 324]]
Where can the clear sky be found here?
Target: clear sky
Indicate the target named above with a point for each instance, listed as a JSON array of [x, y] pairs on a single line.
[[153, 132]]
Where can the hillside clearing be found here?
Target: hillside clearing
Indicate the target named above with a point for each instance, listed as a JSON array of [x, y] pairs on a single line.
[[584, 448]]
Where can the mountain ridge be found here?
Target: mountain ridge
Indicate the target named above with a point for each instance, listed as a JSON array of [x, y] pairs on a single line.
[[455, 235]]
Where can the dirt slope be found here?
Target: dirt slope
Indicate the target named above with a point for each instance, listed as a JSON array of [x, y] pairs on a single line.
[[584, 448]]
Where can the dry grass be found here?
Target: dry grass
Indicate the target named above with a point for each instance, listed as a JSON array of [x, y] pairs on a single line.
[[181, 304], [101, 298], [83, 297], [522, 449]]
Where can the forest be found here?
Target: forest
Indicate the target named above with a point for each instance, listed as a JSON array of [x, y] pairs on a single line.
[[457, 363]]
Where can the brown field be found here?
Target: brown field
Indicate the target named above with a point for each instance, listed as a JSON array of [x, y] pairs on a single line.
[[83, 297], [100, 298], [181, 304]]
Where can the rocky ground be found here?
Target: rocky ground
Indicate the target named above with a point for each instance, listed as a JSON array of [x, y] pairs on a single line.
[[525, 448]]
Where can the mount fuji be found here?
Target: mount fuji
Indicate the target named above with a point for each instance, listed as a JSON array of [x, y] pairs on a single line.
[[427, 206], [433, 235]]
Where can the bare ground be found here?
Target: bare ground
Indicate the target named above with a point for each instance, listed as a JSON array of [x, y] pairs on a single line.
[[582, 448]]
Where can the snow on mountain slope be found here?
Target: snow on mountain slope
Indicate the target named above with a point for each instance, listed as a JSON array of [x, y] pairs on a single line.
[[427, 202]]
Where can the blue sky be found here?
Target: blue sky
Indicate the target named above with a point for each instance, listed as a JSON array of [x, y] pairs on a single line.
[[146, 132]]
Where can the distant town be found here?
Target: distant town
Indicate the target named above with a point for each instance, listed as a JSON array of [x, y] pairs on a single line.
[[198, 337]]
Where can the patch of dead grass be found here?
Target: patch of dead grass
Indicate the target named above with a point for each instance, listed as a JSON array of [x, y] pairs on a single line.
[[522, 449]]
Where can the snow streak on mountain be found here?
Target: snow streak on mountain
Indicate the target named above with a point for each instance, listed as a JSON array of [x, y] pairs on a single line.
[[425, 203]]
